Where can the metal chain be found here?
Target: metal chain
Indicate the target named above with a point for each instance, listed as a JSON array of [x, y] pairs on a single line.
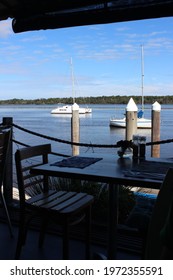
[[122, 143]]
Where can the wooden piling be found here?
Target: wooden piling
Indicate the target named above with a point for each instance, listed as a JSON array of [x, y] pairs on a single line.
[[131, 119], [75, 129], [155, 131]]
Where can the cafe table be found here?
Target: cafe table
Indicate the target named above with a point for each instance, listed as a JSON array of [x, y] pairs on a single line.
[[116, 172]]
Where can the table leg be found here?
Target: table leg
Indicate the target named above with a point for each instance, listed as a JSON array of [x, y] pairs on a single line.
[[112, 221]]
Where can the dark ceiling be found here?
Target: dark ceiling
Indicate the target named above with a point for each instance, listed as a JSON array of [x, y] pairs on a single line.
[[49, 14]]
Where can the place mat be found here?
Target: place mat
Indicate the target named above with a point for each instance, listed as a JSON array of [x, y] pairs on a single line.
[[76, 162], [149, 169], [153, 167], [144, 175]]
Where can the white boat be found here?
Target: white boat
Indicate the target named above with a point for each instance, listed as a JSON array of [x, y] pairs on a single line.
[[141, 121], [67, 109], [121, 123]]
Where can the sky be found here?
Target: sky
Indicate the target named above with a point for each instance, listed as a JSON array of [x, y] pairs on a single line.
[[106, 60]]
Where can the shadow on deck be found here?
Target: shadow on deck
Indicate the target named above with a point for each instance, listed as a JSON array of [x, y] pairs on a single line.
[[52, 248]]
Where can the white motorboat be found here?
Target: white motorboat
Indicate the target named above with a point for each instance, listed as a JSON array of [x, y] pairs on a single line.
[[141, 121], [67, 109]]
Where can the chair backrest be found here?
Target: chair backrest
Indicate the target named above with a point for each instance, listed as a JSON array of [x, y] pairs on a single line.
[[25, 159], [4, 143], [158, 219]]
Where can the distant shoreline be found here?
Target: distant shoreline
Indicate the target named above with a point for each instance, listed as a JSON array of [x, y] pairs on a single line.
[[114, 99]]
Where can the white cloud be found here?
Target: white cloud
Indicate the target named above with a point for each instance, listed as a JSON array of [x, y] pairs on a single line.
[[5, 28], [34, 39]]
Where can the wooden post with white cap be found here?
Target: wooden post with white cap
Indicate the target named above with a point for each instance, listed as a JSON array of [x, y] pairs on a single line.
[[131, 119], [155, 131], [75, 129]]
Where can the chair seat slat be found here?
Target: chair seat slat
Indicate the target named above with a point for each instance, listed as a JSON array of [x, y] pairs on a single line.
[[69, 202], [46, 199], [81, 204], [40, 196], [64, 202], [59, 200]]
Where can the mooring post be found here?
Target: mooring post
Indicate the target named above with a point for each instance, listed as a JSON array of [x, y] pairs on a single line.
[[8, 176], [131, 119], [75, 129], [155, 129]]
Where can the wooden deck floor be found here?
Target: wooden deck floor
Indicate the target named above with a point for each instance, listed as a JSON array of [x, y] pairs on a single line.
[[52, 249]]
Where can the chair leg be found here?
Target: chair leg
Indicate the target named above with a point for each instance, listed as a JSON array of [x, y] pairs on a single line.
[[66, 240], [42, 231], [88, 233], [7, 214], [21, 237]]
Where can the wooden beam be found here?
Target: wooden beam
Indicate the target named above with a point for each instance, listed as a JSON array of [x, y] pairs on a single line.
[[154, 9]]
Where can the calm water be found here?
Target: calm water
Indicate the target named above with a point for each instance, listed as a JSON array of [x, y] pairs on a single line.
[[94, 128]]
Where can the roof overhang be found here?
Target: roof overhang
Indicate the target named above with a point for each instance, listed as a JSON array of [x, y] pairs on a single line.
[[50, 14]]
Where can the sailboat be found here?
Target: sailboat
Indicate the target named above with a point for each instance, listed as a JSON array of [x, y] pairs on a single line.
[[141, 121], [67, 109]]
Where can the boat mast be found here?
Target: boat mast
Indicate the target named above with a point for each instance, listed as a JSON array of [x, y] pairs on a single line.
[[142, 76], [72, 77]]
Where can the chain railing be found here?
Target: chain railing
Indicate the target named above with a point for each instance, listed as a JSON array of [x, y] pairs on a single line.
[[117, 145]]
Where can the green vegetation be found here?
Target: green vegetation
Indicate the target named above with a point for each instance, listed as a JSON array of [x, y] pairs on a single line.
[[114, 99]]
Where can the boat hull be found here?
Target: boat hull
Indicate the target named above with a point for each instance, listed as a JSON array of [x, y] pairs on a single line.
[[67, 109], [121, 123]]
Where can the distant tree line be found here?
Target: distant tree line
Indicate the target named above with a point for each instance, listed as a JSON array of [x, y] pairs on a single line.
[[114, 99]]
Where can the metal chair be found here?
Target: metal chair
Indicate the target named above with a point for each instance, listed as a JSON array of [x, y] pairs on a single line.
[[4, 143], [37, 199]]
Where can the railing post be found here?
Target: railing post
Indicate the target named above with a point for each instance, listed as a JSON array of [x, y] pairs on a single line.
[[155, 132], [8, 177], [75, 129], [131, 119]]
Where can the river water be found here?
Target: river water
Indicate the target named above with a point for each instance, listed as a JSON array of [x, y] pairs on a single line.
[[94, 128]]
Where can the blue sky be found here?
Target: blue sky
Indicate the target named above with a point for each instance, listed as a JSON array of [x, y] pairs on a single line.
[[106, 60]]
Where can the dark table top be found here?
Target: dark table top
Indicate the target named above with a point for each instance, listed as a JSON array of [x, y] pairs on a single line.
[[148, 173]]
